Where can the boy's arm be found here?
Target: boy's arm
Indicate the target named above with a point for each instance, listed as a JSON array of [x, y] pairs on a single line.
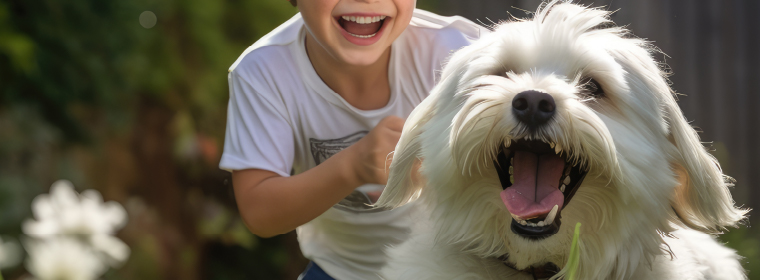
[[271, 204]]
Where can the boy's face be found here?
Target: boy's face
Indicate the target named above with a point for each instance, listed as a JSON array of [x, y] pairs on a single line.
[[356, 32]]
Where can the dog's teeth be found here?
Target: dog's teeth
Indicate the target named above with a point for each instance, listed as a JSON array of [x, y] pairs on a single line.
[[540, 224], [567, 180], [517, 218], [550, 218], [523, 222], [510, 170], [562, 188], [511, 179]]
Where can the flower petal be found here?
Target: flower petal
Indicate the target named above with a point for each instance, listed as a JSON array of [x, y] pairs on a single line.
[[63, 193], [115, 249], [42, 207], [92, 195]]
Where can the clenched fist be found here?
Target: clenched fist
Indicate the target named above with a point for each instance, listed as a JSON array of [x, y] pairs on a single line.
[[371, 156]]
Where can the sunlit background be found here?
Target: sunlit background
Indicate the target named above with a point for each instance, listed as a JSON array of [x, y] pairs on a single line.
[[127, 101]]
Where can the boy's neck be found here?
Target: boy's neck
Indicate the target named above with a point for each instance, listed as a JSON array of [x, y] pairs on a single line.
[[364, 87]]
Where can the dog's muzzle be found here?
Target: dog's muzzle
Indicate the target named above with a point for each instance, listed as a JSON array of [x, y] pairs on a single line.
[[538, 180]]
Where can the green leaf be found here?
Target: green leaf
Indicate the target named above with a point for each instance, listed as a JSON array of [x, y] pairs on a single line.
[[575, 254]]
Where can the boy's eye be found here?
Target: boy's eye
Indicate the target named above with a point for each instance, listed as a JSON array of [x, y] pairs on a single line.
[[591, 88]]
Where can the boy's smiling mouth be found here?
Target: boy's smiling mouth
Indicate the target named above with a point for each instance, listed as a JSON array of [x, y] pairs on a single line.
[[362, 29]]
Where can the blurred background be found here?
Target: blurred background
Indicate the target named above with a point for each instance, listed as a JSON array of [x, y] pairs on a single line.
[[129, 98]]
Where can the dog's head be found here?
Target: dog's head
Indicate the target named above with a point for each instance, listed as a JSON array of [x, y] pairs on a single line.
[[547, 122]]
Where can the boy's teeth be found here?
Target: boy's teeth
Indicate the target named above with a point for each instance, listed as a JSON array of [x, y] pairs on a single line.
[[363, 20], [363, 36]]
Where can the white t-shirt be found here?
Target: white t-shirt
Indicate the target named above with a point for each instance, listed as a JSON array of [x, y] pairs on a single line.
[[283, 118]]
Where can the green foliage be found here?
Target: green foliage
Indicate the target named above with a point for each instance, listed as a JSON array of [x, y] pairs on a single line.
[[571, 267], [55, 55], [746, 242], [77, 79]]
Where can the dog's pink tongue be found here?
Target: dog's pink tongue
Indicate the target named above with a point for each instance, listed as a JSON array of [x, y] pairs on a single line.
[[361, 29], [535, 190]]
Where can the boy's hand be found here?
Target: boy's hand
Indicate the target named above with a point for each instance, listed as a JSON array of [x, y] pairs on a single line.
[[370, 153]]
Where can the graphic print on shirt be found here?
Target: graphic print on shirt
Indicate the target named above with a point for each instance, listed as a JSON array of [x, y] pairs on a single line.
[[321, 150], [324, 149]]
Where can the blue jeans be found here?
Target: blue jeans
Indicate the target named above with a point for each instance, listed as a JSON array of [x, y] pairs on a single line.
[[314, 272]]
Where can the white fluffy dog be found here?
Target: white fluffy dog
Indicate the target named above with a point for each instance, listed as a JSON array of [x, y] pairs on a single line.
[[546, 123]]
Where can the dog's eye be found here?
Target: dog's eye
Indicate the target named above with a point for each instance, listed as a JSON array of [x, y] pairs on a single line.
[[591, 87]]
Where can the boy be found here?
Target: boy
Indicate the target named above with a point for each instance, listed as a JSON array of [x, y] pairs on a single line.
[[323, 97]]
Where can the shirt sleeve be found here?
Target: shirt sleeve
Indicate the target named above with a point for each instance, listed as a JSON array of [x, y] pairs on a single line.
[[258, 134]]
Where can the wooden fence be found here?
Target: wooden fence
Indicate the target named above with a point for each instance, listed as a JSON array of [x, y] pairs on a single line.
[[713, 49]]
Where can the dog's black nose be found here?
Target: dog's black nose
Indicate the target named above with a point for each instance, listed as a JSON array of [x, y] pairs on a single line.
[[533, 108]]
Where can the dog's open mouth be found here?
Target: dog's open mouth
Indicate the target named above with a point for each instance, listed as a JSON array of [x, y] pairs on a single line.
[[538, 179]]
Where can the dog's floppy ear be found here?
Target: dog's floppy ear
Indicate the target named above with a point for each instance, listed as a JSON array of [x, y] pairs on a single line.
[[402, 187], [702, 200]]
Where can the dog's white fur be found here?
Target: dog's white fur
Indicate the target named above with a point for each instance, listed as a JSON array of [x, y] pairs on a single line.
[[651, 198]]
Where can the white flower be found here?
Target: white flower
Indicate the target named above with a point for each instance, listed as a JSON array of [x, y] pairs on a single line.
[[62, 258], [64, 212], [115, 251], [10, 254]]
